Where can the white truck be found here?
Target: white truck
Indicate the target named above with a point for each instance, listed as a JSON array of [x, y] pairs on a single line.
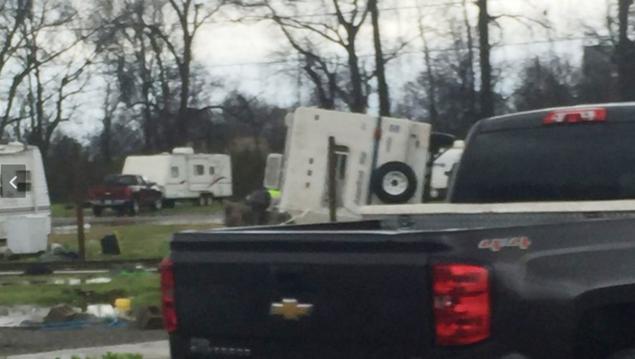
[[377, 161], [442, 169], [185, 175], [25, 207]]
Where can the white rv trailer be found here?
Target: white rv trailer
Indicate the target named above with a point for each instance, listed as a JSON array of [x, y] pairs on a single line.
[[185, 175], [25, 208], [378, 161]]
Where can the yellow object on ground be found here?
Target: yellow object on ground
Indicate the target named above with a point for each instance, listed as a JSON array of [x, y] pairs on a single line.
[[123, 305]]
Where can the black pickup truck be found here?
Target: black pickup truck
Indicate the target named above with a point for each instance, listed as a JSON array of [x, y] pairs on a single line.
[[534, 257]]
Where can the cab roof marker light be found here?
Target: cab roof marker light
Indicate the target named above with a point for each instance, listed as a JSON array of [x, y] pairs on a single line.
[[573, 116]]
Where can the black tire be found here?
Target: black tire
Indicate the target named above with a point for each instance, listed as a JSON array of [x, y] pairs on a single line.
[[98, 211], [394, 182], [169, 203], [624, 354], [178, 346], [204, 200], [133, 208]]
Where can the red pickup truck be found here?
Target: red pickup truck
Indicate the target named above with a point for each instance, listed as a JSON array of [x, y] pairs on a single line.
[[124, 194]]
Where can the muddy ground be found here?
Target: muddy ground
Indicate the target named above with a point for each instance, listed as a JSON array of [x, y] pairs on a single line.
[[23, 341]]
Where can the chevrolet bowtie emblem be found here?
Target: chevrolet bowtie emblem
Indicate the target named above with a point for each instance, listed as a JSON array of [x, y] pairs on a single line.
[[290, 309]]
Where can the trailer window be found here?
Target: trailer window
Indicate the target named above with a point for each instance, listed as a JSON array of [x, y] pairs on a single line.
[[174, 172], [211, 171], [199, 170]]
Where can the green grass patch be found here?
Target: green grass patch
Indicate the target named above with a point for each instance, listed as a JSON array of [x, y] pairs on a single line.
[[112, 356], [65, 210], [142, 287], [135, 240]]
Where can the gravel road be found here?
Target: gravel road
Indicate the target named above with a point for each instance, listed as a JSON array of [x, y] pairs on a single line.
[[23, 341]]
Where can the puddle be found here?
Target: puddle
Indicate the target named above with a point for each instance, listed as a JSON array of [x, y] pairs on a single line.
[[15, 316], [70, 229]]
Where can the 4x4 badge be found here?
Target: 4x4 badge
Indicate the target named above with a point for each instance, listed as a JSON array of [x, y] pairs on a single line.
[[496, 245]]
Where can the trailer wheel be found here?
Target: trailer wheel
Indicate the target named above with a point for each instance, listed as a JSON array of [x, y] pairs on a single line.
[[394, 182]]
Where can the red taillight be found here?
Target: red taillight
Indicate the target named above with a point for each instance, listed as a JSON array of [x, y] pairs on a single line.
[[461, 303], [167, 294], [576, 116], [127, 192]]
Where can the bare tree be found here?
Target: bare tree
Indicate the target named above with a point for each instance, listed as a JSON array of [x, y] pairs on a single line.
[[13, 13], [382, 84], [191, 16], [30, 56], [339, 27], [485, 50]]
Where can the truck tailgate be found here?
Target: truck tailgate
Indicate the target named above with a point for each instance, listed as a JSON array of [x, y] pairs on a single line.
[[295, 288]]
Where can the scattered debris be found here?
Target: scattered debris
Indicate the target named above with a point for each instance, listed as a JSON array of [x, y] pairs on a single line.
[[101, 311], [149, 317], [110, 245], [123, 305], [99, 280], [61, 313], [57, 253]]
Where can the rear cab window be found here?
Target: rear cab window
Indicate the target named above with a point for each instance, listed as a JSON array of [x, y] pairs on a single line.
[[527, 160]]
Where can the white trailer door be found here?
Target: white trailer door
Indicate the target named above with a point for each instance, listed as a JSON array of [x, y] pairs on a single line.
[[176, 185], [200, 179], [221, 171]]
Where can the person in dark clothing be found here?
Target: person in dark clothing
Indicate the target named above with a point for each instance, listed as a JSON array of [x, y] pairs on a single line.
[[259, 201]]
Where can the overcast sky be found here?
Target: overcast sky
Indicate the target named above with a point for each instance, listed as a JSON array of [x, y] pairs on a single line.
[[240, 55]]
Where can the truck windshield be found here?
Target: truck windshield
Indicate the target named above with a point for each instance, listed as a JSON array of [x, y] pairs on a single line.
[[550, 163]]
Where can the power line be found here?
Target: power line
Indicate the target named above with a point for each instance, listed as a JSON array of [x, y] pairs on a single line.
[[413, 52]]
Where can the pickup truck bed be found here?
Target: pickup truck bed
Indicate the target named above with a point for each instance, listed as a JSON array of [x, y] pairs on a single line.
[[370, 289]]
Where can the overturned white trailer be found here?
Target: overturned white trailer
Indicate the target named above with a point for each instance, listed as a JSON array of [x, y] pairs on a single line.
[[25, 208], [377, 161]]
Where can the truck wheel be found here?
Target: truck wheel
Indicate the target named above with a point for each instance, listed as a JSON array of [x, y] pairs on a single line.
[[169, 203], [157, 205], [133, 208], [98, 211], [394, 182], [624, 354], [178, 346]]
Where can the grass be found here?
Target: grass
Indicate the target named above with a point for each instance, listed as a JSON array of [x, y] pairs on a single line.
[[112, 356], [141, 287], [64, 210], [135, 240]]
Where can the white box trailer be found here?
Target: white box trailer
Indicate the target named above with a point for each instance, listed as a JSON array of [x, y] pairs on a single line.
[[25, 217], [378, 161], [185, 175]]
